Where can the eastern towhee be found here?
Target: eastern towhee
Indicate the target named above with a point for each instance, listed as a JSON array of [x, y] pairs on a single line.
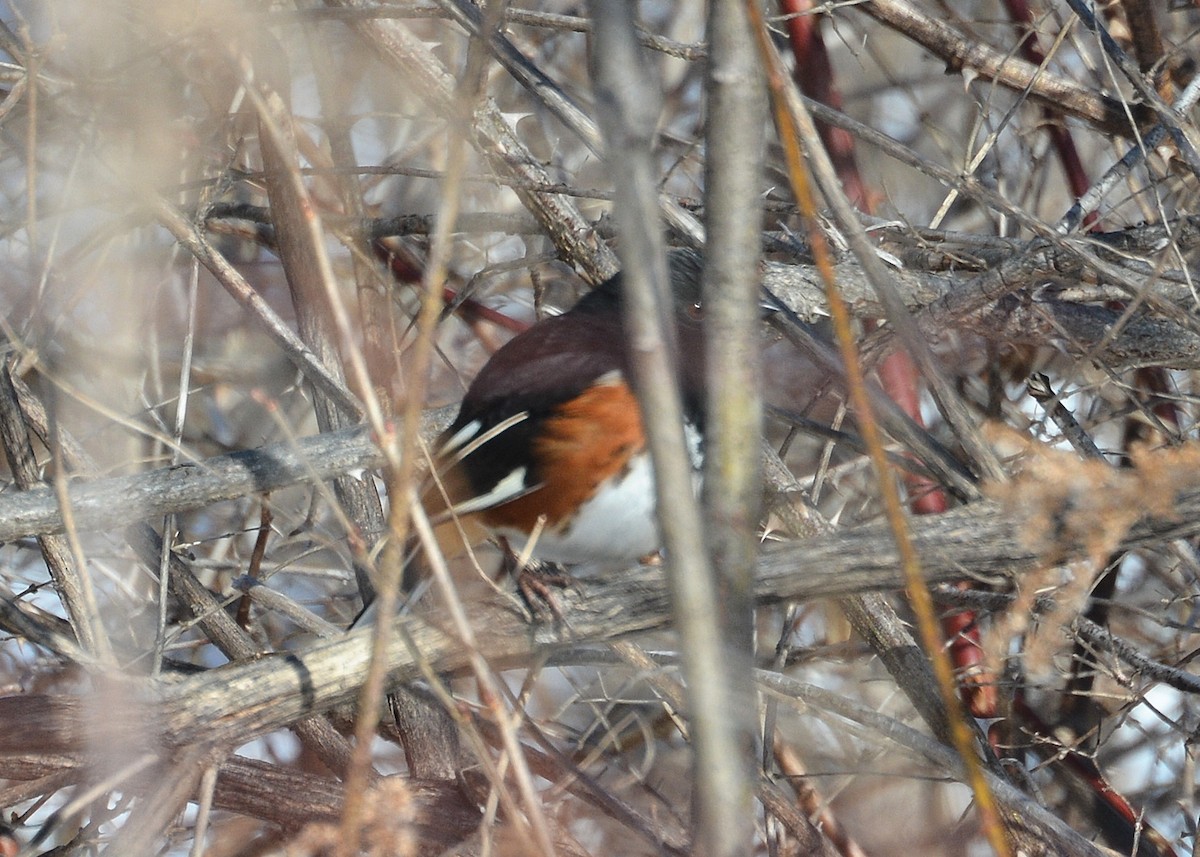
[[550, 427]]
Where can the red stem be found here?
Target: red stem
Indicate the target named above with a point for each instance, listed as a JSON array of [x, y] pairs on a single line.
[[1060, 137], [814, 76]]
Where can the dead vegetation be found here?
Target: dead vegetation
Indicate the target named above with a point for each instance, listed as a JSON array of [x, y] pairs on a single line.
[[253, 253]]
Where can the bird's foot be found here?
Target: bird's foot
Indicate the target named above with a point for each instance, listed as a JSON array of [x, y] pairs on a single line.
[[536, 581]]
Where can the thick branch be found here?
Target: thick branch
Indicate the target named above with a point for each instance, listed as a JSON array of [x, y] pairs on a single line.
[[962, 52]]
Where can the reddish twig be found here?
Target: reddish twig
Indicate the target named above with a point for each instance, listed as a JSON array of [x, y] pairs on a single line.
[[814, 75], [256, 558], [1060, 137], [1120, 823]]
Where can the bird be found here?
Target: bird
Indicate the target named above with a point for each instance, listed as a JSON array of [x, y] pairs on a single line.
[[550, 434]]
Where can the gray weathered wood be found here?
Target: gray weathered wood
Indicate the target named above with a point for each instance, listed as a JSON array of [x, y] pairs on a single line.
[[122, 500]]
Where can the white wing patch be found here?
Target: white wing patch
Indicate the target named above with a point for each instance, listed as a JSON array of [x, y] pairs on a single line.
[[611, 378], [465, 441], [510, 487], [460, 437]]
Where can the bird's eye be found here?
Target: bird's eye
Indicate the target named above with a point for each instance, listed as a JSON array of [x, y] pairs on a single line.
[[695, 311]]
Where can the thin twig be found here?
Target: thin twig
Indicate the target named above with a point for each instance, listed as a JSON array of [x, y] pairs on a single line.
[[792, 125], [63, 554]]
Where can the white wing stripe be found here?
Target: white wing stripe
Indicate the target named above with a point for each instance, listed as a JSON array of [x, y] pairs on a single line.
[[510, 487]]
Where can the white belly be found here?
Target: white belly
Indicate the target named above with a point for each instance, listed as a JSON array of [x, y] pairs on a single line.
[[618, 524]]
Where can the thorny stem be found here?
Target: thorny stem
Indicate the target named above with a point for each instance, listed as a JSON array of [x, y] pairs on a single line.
[[918, 592]]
